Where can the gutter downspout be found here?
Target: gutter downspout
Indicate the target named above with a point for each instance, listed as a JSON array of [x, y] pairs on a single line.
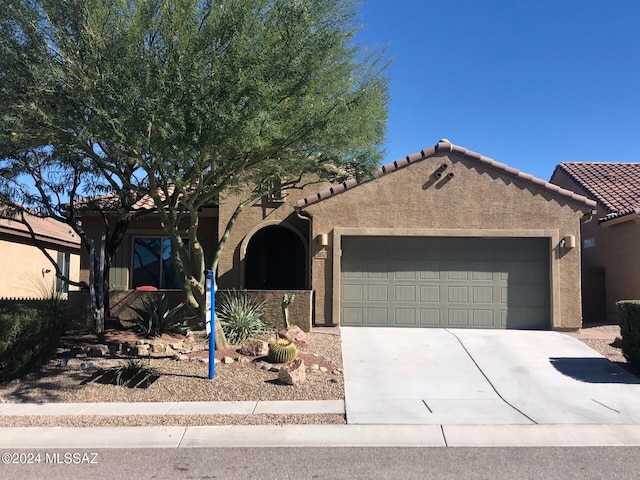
[[302, 215]]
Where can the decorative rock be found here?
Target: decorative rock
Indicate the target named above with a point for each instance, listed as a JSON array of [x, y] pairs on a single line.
[[243, 360], [254, 348], [158, 347], [99, 350], [81, 355], [314, 368], [324, 369], [262, 365], [77, 351], [293, 372], [295, 335], [141, 342], [274, 368], [142, 350], [189, 333], [203, 360], [336, 372], [181, 358], [227, 360], [176, 345], [216, 361], [90, 366]]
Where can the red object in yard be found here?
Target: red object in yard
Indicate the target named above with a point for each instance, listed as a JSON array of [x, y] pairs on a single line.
[[146, 288]]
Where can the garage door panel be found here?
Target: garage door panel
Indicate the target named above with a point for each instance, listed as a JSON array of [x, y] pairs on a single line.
[[430, 294], [483, 318], [405, 293], [405, 317], [457, 317], [353, 293], [455, 282], [377, 316], [377, 293], [429, 317]]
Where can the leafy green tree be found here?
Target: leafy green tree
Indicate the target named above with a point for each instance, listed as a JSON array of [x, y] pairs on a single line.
[[190, 100]]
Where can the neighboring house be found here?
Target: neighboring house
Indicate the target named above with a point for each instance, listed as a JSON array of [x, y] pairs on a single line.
[[444, 237], [611, 239], [25, 271]]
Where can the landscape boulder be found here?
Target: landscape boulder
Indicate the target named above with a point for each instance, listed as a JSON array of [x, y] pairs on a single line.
[[294, 334], [254, 348], [293, 372]]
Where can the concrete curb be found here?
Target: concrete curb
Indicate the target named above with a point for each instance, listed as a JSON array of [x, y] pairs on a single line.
[[321, 436]]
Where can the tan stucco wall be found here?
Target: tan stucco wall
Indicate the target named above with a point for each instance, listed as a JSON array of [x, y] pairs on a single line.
[[621, 259], [21, 270], [476, 201]]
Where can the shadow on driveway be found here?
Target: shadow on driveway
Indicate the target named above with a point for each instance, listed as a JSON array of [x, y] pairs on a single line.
[[593, 370]]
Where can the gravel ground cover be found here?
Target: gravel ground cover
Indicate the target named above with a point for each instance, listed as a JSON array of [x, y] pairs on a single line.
[[188, 381]]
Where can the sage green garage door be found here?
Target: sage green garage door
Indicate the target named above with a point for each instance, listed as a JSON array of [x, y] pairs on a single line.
[[445, 282]]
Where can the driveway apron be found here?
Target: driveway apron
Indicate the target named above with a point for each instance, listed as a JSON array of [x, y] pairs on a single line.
[[459, 376]]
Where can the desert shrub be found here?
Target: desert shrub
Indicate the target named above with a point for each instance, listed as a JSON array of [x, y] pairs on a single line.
[[240, 317], [133, 373], [629, 318], [155, 317], [28, 337]]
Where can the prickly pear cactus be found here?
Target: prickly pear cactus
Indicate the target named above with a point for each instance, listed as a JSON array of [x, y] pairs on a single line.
[[282, 351]]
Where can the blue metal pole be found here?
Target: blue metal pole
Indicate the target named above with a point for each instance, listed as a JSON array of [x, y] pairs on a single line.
[[211, 306]]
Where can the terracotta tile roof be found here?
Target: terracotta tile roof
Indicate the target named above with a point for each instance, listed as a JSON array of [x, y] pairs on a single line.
[[445, 145], [615, 186], [46, 230]]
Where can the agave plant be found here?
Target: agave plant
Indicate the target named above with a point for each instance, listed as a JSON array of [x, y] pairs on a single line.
[[240, 317], [134, 373], [155, 316]]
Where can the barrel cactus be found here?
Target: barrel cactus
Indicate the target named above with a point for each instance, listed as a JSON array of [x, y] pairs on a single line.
[[282, 351]]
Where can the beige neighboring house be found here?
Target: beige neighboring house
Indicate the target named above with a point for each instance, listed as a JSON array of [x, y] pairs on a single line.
[[442, 238], [25, 272], [611, 239]]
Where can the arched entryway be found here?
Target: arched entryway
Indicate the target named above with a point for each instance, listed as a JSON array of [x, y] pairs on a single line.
[[275, 260]]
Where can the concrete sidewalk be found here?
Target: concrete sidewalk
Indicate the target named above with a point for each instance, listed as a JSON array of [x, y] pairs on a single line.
[[320, 436], [175, 408]]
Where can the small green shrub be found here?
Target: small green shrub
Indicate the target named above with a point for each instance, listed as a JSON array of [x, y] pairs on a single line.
[[155, 317], [28, 338], [134, 373], [629, 318], [240, 317]]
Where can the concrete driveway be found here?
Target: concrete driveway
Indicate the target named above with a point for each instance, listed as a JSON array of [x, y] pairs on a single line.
[[459, 376]]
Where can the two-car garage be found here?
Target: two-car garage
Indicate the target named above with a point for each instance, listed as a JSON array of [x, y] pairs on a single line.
[[460, 282]]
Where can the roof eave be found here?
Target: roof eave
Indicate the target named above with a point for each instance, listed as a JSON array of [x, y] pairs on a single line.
[[444, 145]]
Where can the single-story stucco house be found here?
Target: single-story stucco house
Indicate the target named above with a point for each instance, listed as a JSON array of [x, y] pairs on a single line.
[[610, 240], [26, 272], [442, 238]]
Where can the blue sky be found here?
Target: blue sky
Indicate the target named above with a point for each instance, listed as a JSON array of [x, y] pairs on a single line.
[[527, 83]]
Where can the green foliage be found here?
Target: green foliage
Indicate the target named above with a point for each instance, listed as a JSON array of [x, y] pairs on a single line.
[[240, 317], [282, 351], [133, 373], [629, 318], [188, 101], [28, 338], [155, 317]]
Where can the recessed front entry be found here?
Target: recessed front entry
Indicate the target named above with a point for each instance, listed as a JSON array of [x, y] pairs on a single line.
[[275, 260], [460, 282]]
